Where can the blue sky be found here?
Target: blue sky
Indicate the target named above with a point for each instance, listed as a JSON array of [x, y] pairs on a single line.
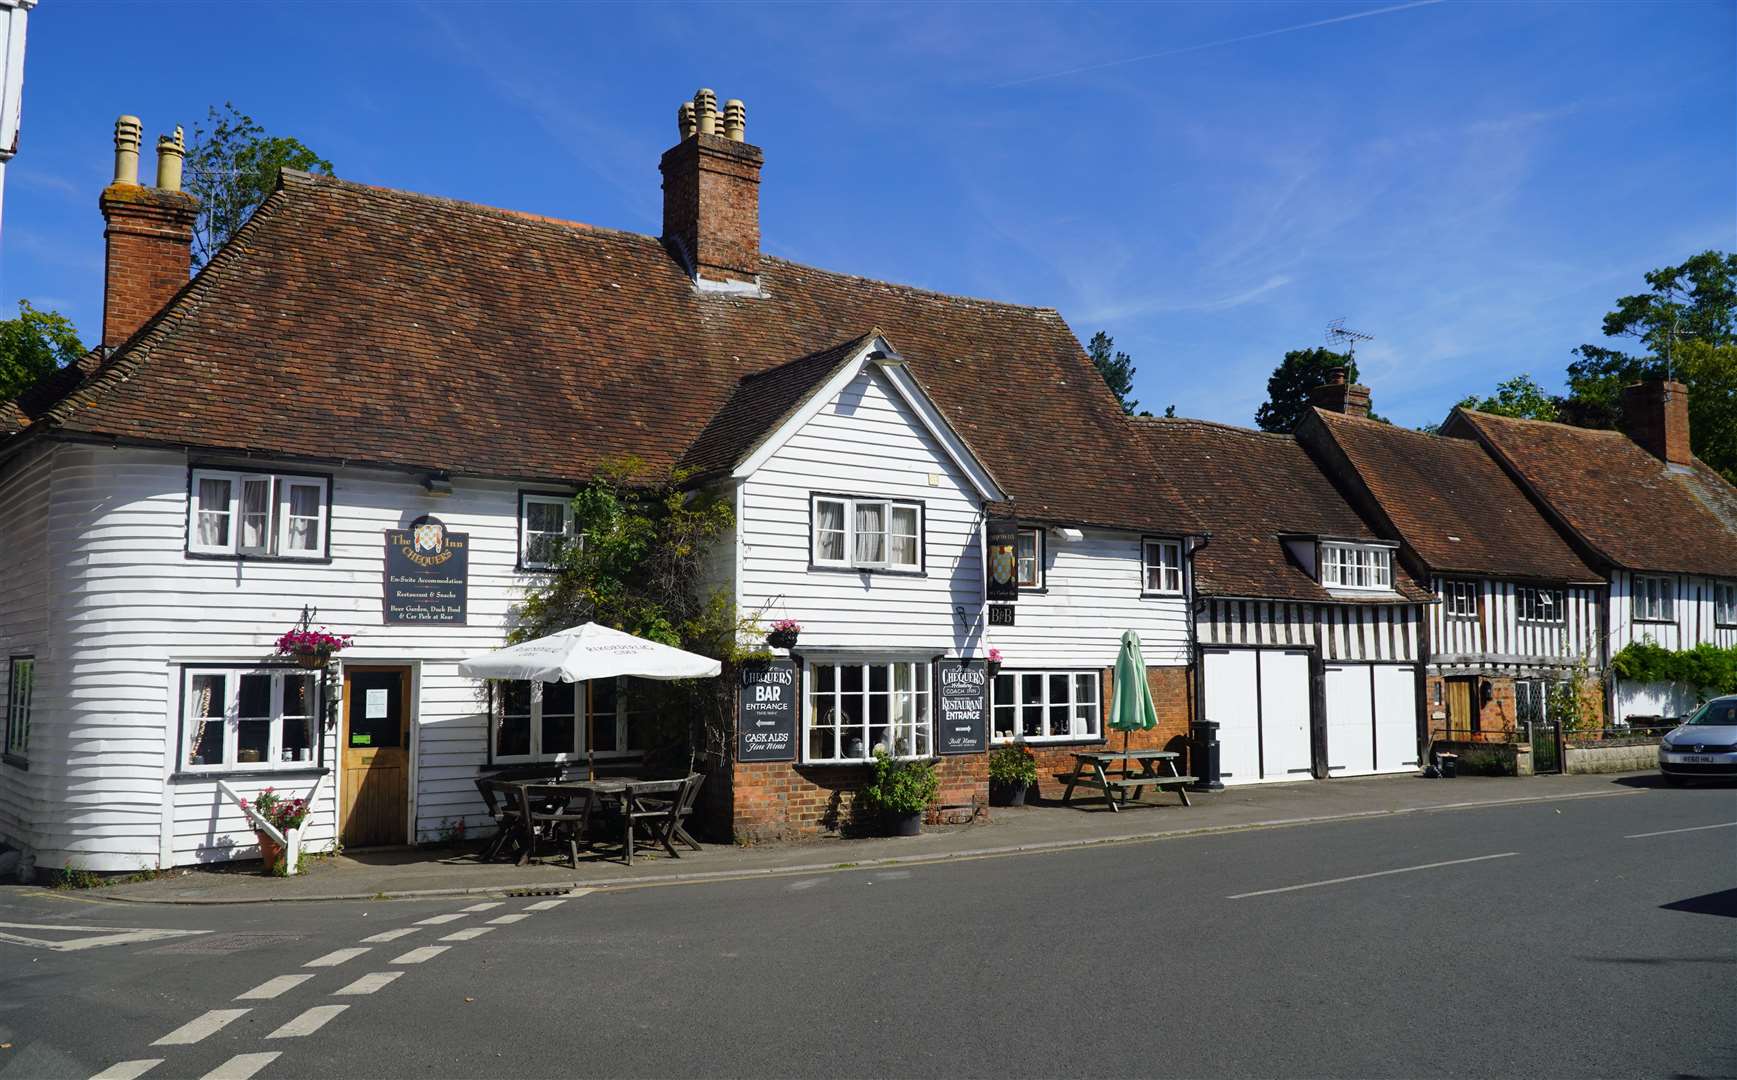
[[1472, 183]]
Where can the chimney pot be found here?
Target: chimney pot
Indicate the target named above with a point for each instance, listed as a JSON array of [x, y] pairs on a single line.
[[127, 134], [170, 151], [685, 123], [735, 119], [706, 110], [1656, 416]]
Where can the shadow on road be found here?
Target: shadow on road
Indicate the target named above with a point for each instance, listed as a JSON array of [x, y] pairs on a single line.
[[1718, 903]]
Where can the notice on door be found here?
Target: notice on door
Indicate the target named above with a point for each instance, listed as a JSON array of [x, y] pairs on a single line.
[[376, 705], [766, 712], [427, 574], [964, 701]]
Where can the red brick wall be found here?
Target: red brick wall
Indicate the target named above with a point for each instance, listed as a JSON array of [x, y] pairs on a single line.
[[1656, 415], [150, 251], [711, 205], [787, 800]]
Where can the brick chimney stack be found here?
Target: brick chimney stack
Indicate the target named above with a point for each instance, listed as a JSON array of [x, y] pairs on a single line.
[[1340, 395], [711, 192], [1656, 416], [149, 234]]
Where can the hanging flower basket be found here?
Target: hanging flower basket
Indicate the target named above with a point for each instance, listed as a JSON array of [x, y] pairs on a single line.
[[312, 649], [993, 663], [784, 633]]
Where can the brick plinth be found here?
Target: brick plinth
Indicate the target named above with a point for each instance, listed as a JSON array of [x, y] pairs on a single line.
[[150, 251]]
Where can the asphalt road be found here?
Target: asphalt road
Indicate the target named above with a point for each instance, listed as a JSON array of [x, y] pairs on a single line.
[[1545, 939]]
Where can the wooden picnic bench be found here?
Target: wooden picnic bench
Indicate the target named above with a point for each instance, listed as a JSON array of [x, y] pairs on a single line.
[[1098, 769]]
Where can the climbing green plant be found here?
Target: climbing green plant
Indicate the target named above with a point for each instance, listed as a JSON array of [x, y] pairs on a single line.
[[1708, 668]]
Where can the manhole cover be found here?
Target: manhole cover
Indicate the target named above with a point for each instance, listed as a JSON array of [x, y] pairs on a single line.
[[227, 943]]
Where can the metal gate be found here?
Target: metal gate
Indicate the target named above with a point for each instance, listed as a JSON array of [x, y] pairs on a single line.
[[1536, 725]]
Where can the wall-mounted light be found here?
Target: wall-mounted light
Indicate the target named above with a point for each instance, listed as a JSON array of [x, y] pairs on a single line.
[[887, 358], [1069, 535], [438, 484]]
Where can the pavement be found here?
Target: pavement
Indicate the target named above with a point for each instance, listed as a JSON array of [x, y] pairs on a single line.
[[1568, 935], [456, 871]]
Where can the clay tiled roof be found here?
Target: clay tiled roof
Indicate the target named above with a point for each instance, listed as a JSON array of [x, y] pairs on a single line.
[[1626, 504], [1248, 488], [347, 322], [1450, 502], [760, 404]]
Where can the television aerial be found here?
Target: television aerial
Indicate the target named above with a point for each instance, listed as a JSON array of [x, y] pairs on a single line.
[[1345, 340]]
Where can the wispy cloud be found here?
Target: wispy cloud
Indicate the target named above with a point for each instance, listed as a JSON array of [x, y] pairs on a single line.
[[1216, 44], [1168, 303]]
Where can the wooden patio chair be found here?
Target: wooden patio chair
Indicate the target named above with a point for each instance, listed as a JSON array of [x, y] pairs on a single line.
[[547, 813], [506, 816], [661, 817]]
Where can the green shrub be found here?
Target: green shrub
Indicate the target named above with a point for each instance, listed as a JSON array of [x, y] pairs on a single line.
[[902, 787], [1706, 667], [1012, 765]]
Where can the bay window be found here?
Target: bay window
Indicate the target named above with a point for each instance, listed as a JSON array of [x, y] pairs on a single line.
[[1356, 566], [257, 515], [249, 719], [856, 710], [1653, 598], [1046, 706], [538, 721], [1162, 569], [866, 534], [545, 527]]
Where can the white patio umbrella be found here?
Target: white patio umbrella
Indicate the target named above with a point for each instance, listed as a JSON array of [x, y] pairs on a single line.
[[591, 651]]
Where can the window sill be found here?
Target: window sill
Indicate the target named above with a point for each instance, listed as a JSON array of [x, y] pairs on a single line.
[[16, 761], [867, 763], [887, 570], [299, 772], [1051, 744], [1144, 595], [604, 757], [1669, 621], [216, 556]]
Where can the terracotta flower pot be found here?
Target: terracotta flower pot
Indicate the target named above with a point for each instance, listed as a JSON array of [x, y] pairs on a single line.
[[270, 851]]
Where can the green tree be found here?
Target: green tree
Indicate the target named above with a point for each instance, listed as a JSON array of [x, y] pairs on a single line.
[[232, 166], [1685, 325], [1117, 368], [1519, 397], [33, 346], [1288, 388]]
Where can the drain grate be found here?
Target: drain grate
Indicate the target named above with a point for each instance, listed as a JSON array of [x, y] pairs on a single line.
[[552, 890]]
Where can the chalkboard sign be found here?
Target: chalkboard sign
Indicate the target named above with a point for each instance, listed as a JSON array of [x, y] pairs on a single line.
[[1002, 543], [427, 574], [964, 700], [766, 712]]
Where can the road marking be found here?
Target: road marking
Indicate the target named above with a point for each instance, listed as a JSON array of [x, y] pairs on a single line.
[[417, 956], [271, 988], [1376, 874], [196, 1029], [308, 1022], [336, 957], [99, 936], [393, 935], [369, 983], [1692, 828], [490, 906], [469, 935], [128, 1070], [545, 905], [439, 920], [507, 920], [241, 1066]]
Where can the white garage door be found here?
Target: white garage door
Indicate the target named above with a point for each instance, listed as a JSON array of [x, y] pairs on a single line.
[[1371, 718], [1260, 700]]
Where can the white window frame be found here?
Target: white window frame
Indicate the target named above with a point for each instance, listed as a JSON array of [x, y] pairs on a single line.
[[1356, 567], [526, 501], [850, 505], [1459, 598], [1654, 598], [1529, 602], [920, 727], [1075, 679], [276, 532], [582, 701], [1037, 558], [20, 687], [1167, 564], [232, 719], [1725, 603]]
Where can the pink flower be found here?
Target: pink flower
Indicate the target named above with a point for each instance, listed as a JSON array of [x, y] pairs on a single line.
[[787, 626], [995, 656]]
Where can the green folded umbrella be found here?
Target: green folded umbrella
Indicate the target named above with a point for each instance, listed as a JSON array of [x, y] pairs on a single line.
[[1131, 708]]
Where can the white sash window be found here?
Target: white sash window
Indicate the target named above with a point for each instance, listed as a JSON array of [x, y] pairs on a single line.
[[866, 534], [257, 515]]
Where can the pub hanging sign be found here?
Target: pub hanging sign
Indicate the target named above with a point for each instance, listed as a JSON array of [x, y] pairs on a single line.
[[1003, 552], [427, 574]]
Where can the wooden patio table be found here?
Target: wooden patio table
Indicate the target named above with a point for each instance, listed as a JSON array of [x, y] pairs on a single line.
[[1102, 769]]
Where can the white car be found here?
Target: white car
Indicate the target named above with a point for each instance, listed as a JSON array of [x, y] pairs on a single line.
[[1703, 745]]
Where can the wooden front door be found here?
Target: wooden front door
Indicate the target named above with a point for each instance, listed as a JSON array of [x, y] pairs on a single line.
[[1462, 707], [375, 757]]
